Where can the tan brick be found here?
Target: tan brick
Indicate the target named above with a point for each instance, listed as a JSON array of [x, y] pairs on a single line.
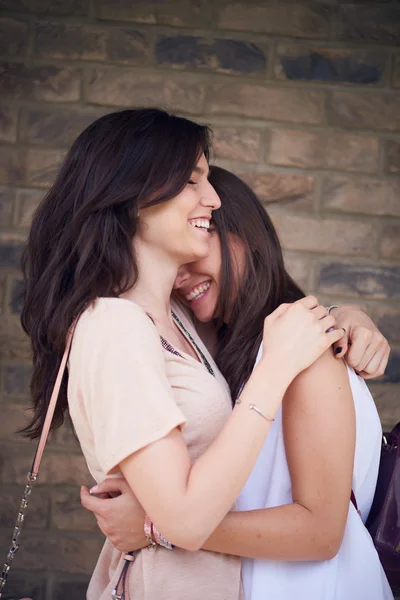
[[16, 380], [22, 584], [56, 126], [27, 203], [120, 88], [310, 20], [396, 72], [8, 123], [324, 150], [327, 235], [297, 191], [366, 280], [297, 62], [387, 319], [12, 166], [300, 270], [387, 402], [42, 166], [392, 162], [237, 144], [56, 469], [365, 196], [66, 7], [68, 513], [89, 42], [183, 13], [14, 417], [7, 203], [50, 83], [377, 23], [38, 508], [11, 246], [372, 110], [13, 37], [390, 243], [277, 104], [14, 342]]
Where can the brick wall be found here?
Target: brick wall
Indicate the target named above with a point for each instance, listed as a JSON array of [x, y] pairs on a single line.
[[304, 100]]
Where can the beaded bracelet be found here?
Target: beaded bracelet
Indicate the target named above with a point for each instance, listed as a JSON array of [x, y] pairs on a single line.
[[154, 537]]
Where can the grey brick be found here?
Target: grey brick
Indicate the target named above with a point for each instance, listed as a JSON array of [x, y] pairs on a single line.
[[374, 281]]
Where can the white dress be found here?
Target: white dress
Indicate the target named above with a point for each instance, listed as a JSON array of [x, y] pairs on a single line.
[[356, 572]]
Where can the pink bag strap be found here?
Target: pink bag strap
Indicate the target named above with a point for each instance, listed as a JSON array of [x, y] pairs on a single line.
[[52, 404]]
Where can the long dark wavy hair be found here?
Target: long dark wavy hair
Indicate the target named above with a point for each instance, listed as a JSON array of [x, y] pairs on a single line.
[[80, 242], [263, 285]]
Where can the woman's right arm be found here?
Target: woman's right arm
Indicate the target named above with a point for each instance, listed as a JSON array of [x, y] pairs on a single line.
[[188, 501]]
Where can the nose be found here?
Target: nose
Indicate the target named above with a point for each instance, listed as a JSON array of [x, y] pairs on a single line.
[[182, 277], [210, 198]]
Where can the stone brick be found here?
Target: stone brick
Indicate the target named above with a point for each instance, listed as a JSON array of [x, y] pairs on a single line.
[[55, 126], [303, 20], [375, 110], [37, 515], [327, 235], [300, 269], [13, 37], [297, 191], [56, 469], [12, 166], [294, 148], [396, 72], [387, 400], [16, 379], [11, 247], [392, 373], [7, 202], [339, 65], [392, 163], [55, 7], [366, 196], [120, 88], [369, 280], [64, 590], [16, 296], [75, 555], [27, 202], [277, 104], [14, 418], [37, 83], [42, 166], [14, 342], [8, 123], [390, 243], [237, 144], [378, 23], [21, 583], [88, 42], [387, 319], [69, 514], [180, 14], [220, 55]]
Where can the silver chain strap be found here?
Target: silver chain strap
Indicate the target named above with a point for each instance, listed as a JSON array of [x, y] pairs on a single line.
[[17, 532]]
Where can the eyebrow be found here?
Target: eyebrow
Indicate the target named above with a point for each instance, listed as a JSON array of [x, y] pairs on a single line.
[[200, 171]]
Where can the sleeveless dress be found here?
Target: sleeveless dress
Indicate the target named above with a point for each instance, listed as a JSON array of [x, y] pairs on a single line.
[[355, 573]]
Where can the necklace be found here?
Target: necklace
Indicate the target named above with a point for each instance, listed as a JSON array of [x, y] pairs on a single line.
[[190, 337]]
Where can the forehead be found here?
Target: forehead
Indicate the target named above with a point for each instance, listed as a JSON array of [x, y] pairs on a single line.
[[202, 167]]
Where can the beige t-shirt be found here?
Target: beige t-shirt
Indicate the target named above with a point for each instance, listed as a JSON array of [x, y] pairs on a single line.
[[126, 391]]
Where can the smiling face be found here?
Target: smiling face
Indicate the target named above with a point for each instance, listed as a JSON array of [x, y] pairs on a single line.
[[198, 284], [179, 227]]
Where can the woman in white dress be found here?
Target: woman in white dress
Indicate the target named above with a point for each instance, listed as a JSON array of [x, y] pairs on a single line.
[[297, 530]]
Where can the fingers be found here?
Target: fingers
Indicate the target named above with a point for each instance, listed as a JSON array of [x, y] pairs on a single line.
[[309, 302], [278, 312], [334, 336], [341, 347], [377, 365], [111, 485], [90, 502]]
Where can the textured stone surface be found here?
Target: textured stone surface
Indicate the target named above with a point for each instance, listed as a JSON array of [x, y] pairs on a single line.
[[55, 7], [7, 201], [42, 166], [237, 144], [13, 37], [11, 247], [28, 201], [310, 20], [13, 341], [300, 269], [387, 399], [16, 379], [340, 65], [10, 500], [392, 373], [220, 55], [62, 590], [374, 281], [324, 150], [396, 72], [365, 196], [56, 469], [68, 513], [280, 104], [119, 88], [327, 235], [182, 13], [12, 166], [390, 244], [376, 24], [393, 156], [8, 123], [376, 110], [297, 191], [388, 321], [21, 583], [47, 83], [56, 126]]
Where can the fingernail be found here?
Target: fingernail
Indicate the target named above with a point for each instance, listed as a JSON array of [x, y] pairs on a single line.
[[94, 489], [338, 350]]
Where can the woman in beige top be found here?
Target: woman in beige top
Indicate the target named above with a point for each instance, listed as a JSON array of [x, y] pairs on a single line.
[[131, 204]]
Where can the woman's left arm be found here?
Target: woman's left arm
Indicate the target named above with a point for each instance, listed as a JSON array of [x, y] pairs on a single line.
[[319, 429]]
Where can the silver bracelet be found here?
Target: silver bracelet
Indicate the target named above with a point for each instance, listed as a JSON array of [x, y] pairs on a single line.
[[329, 308], [260, 412]]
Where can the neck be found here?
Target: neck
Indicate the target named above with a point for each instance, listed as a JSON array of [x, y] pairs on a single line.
[[152, 291]]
